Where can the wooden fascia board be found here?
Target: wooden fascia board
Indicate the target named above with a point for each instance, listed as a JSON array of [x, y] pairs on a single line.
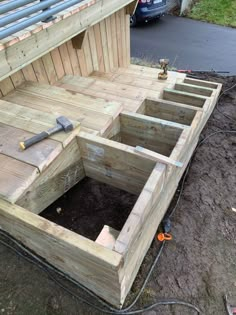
[[19, 55], [131, 8]]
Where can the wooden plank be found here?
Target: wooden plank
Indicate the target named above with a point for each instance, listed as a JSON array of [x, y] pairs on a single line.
[[61, 175], [127, 36], [38, 44], [157, 157], [15, 177], [109, 42], [114, 41], [79, 85], [82, 63], [73, 58], [151, 133], [40, 155], [107, 237], [76, 99], [104, 46], [6, 86], [131, 8], [87, 118], [39, 71], [98, 40], [123, 37], [148, 224], [49, 68], [176, 112], [56, 58], [65, 59], [190, 88], [93, 48], [149, 84], [120, 89], [114, 163], [33, 121], [211, 85], [17, 78], [29, 73], [87, 55], [72, 253], [119, 39], [184, 97], [144, 72]]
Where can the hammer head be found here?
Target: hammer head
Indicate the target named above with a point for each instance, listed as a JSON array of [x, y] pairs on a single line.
[[65, 123]]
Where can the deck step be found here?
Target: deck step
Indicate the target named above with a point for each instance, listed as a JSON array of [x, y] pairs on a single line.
[[73, 98], [195, 89], [19, 169], [87, 87], [95, 120], [184, 97]]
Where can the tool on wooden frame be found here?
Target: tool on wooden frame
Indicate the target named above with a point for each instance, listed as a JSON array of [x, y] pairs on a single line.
[[63, 124], [165, 235], [164, 65]]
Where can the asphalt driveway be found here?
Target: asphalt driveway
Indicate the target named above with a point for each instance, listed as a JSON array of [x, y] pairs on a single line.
[[187, 43]]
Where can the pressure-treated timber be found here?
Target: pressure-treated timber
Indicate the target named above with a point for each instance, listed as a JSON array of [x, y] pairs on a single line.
[[169, 128], [116, 108], [45, 40], [67, 60]]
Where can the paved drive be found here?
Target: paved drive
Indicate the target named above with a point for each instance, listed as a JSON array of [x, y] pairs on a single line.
[[187, 43]]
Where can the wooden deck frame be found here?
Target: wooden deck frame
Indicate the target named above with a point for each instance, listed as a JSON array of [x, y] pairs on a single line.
[[110, 272], [137, 133]]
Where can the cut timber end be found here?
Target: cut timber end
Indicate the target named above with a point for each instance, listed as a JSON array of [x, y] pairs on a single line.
[[107, 237]]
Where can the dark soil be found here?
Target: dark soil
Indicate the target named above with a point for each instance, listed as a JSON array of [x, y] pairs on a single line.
[[198, 266], [88, 206]]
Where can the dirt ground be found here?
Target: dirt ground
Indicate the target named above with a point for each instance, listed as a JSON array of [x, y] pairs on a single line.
[[198, 266]]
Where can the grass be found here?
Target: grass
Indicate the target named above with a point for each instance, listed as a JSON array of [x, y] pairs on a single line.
[[222, 12]]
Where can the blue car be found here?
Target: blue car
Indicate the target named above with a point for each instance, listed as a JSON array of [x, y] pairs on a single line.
[[148, 10]]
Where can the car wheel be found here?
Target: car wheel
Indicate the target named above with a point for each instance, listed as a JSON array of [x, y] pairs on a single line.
[[133, 20]]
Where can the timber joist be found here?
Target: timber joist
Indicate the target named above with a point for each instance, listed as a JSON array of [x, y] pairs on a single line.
[[131, 131]]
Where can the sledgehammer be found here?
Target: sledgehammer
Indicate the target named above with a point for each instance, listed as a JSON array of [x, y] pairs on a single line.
[[62, 124]]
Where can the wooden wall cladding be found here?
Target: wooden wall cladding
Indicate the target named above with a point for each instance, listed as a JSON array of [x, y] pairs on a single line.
[[106, 46]]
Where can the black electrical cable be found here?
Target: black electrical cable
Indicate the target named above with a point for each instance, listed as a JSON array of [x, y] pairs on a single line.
[[45, 266], [217, 105]]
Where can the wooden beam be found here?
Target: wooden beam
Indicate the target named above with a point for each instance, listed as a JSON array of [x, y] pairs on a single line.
[[157, 157], [84, 260], [114, 163], [131, 8], [22, 53], [184, 97], [190, 88]]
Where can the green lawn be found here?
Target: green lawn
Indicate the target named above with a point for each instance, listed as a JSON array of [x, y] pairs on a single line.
[[221, 12]]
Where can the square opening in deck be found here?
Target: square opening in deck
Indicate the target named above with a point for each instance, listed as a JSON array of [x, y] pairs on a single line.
[[151, 133], [89, 206], [167, 110], [105, 196]]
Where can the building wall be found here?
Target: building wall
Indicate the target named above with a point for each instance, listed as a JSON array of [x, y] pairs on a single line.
[[106, 46]]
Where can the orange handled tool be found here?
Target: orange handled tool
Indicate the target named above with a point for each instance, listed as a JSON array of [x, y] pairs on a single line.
[[164, 237]]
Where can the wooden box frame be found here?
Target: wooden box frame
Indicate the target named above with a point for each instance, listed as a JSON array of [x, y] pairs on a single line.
[[111, 272]]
